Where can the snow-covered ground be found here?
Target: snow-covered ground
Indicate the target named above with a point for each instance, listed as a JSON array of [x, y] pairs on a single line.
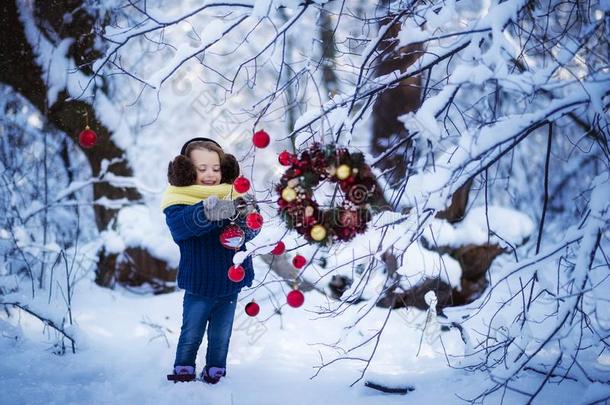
[[122, 360]]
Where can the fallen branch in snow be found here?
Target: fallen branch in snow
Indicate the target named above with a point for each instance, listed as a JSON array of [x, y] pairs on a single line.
[[159, 329], [44, 320], [389, 390]]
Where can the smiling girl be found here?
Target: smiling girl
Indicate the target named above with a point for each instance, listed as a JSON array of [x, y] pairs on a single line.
[[198, 204]]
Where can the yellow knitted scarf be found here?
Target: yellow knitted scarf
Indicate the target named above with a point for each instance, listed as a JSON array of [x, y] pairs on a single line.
[[191, 195]]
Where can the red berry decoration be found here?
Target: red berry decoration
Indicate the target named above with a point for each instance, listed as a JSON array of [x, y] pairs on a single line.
[[295, 298], [87, 138], [241, 184], [279, 249], [298, 261], [236, 273], [254, 221], [232, 237], [261, 139], [252, 308], [285, 158]]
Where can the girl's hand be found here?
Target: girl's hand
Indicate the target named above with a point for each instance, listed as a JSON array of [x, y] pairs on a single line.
[[217, 210]]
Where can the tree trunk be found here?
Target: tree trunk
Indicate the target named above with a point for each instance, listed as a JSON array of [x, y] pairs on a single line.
[[329, 78], [394, 102], [388, 131], [21, 71]]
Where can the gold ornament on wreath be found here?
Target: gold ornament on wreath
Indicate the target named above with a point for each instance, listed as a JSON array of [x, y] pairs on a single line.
[[305, 172]]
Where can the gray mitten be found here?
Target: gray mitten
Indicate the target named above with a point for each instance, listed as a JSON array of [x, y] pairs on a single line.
[[217, 210]]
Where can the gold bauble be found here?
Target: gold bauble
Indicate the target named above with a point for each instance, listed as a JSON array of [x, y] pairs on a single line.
[[289, 194], [318, 232], [343, 172]]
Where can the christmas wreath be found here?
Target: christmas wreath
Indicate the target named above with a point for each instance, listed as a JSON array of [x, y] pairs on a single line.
[[298, 206]]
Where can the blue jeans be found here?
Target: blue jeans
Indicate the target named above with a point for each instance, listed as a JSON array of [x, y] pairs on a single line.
[[197, 313]]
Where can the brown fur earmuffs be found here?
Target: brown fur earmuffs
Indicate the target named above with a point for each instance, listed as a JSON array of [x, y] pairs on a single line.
[[229, 168], [181, 172]]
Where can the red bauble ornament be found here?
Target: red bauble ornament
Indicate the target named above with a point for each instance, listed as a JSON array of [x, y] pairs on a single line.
[[298, 261], [295, 298], [347, 183], [252, 308], [285, 158], [261, 139], [236, 273], [87, 138], [254, 221], [232, 237], [241, 184], [279, 249]]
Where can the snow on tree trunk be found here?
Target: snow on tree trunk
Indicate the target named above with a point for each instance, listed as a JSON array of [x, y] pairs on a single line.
[[25, 70]]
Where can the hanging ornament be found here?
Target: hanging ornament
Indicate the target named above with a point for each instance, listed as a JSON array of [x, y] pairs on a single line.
[[298, 261], [236, 273], [241, 184], [260, 139], [285, 158], [87, 138], [295, 298], [343, 172], [254, 221], [318, 232], [279, 249], [232, 237], [252, 308], [289, 194]]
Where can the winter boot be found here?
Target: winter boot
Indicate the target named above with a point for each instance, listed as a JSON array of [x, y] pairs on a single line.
[[182, 373], [212, 375]]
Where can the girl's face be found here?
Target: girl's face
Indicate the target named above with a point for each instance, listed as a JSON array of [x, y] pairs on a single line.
[[207, 165]]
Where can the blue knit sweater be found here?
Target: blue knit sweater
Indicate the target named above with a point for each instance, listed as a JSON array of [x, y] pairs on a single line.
[[204, 262]]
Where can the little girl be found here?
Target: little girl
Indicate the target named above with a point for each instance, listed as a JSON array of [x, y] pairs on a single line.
[[197, 206]]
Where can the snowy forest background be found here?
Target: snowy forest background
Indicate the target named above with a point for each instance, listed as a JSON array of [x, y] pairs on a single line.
[[483, 276]]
